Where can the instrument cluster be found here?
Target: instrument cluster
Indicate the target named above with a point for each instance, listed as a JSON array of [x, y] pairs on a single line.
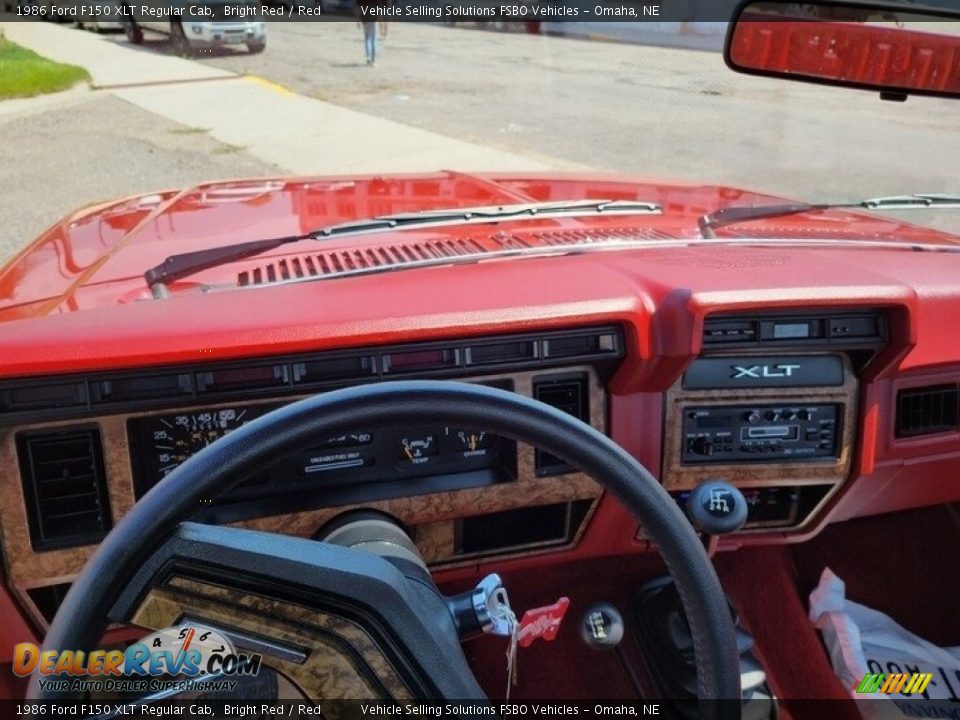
[[361, 464]]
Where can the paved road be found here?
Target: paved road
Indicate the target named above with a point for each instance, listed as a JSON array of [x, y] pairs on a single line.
[[624, 108]]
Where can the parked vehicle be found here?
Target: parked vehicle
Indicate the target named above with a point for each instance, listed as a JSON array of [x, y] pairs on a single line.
[[204, 25]]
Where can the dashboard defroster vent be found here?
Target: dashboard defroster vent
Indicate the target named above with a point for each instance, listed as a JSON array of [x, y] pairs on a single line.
[[41, 397], [87, 395], [502, 352], [928, 410], [64, 485]]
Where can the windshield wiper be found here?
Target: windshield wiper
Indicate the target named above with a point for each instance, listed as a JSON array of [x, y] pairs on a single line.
[[737, 214], [182, 265], [493, 213]]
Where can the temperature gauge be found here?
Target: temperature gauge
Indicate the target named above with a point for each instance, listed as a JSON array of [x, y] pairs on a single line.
[[418, 449]]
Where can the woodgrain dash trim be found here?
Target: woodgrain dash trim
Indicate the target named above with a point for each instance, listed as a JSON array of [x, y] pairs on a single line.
[[677, 476], [329, 671], [436, 513]]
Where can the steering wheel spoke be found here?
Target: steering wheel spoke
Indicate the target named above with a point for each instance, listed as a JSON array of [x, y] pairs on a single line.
[[282, 598]]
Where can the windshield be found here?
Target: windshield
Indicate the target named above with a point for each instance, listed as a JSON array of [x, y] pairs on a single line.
[[141, 104], [329, 328]]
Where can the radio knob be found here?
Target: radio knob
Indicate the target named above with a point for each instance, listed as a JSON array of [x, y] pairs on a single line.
[[789, 415], [771, 415], [752, 417], [804, 415]]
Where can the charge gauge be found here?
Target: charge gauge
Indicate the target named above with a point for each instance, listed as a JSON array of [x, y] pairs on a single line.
[[470, 443]]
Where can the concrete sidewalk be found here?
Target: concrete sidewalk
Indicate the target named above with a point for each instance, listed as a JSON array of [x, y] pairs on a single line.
[[307, 136], [299, 134], [109, 64]]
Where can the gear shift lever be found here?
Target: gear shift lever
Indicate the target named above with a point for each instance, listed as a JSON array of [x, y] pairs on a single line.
[[715, 508]]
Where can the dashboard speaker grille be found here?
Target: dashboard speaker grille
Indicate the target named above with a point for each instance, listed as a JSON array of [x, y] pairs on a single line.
[[928, 410], [65, 487]]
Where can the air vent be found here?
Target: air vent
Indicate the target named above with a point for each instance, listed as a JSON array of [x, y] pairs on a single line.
[[65, 487], [569, 394], [341, 262], [927, 410]]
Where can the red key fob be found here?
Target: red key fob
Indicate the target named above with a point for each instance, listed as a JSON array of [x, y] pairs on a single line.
[[542, 622]]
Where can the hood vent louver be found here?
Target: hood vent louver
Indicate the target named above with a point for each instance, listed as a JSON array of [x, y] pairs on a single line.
[[65, 487], [581, 236], [345, 261], [928, 410], [339, 262]]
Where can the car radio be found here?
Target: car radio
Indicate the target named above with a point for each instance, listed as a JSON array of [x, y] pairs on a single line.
[[782, 432]]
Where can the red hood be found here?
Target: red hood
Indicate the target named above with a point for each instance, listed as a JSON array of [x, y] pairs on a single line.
[[97, 256], [94, 262]]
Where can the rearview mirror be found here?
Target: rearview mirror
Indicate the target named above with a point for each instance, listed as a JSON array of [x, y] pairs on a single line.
[[883, 47]]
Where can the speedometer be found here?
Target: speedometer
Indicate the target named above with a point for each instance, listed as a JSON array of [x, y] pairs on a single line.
[[182, 435], [162, 442]]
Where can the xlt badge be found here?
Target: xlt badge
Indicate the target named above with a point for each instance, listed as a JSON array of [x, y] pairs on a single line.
[[763, 371], [759, 371]]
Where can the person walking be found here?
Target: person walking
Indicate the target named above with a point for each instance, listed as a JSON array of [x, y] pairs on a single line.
[[383, 23], [367, 21]]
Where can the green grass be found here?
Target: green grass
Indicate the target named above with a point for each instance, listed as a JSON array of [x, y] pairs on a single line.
[[23, 73]]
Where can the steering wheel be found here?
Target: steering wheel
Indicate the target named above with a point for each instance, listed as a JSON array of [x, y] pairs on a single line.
[[364, 622]]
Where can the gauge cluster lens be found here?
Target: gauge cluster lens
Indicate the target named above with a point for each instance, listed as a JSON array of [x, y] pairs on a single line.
[[163, 442], [356, 465]]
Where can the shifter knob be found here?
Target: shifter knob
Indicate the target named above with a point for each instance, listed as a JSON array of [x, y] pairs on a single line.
[[716, 507]]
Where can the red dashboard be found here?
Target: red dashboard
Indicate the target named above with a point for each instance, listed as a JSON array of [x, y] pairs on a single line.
[[90, 320]]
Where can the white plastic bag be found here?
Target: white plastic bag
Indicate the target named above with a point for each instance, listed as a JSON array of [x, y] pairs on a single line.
[[861, 640]]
